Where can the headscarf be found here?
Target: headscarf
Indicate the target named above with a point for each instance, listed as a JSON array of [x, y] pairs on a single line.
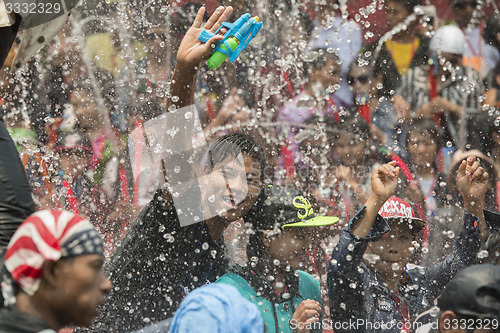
[[47, 235]]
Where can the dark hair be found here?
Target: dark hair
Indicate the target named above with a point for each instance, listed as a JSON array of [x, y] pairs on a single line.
[[408, 4], [234, 143], [491, 29], [321, 60], [422, 126], [355, 125]]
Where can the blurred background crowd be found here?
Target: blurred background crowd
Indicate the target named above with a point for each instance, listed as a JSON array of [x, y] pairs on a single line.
[[331, 89]]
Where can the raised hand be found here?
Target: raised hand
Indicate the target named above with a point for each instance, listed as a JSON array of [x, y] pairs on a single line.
[[472, 181], [191, 53], [306, 314], [191, 50], [384, 181]]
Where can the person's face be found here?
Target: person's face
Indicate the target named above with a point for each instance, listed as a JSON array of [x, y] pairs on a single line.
[[448, 62], [156, 39], [350, 150], [395, 13], [85, 109], [389, 255], [234, 185], [422, 148], [359, 80], [463, 10], [290, 246], [81, 287], [328, 75], [74, 162]]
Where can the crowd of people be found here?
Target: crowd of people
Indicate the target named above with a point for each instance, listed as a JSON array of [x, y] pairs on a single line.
[[318, 183]]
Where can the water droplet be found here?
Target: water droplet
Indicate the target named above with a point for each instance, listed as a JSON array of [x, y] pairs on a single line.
[[276, 262], [211, 198], [188, 115], [175, 99], [177, 169], [310, 56], [204, 246], [352, 285], [482, 254]]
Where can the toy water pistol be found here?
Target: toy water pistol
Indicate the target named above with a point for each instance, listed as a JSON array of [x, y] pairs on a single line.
[[236, 39]]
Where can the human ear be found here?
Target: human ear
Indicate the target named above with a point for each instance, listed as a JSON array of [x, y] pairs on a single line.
[[446, 321], [50, 273]]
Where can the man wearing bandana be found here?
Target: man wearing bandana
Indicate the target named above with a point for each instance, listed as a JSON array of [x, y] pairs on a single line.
[[52, 275]]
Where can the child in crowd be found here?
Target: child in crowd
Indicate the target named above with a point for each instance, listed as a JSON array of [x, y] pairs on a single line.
[[333, 30], [403, 50], [368, 279], [283, 224], [377, 111], [441, 90], [354, 163], [316, 140], [316, 99], [423, 144]]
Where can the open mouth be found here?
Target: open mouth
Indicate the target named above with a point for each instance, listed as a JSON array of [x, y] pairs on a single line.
[[229, 201]]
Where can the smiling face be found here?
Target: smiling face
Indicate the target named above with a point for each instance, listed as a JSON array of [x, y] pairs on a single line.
[[290, 246], [232, 187], [81, 287], [392, 252]]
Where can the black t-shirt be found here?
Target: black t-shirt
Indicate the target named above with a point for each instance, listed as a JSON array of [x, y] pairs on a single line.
[[156, 261], [14, 321]]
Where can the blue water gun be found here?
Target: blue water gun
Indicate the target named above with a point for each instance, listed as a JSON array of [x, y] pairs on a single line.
[[236, 39]]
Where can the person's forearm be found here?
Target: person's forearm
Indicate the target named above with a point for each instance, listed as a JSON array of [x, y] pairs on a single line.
[[182, 87], [363, 226], [476, 208]]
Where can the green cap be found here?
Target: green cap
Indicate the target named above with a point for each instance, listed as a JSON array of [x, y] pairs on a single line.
[[286, 208]]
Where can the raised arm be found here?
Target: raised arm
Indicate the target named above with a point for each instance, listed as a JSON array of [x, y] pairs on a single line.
[[472, 182], [190, 55], [384, 182]]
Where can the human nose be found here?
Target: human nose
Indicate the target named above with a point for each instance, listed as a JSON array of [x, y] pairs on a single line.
[[105, 284], [238, 187]]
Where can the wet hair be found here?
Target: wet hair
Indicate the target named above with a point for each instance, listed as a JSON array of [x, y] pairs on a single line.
[[408, 4], [234, 143], [492, 247], [423, 126]]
